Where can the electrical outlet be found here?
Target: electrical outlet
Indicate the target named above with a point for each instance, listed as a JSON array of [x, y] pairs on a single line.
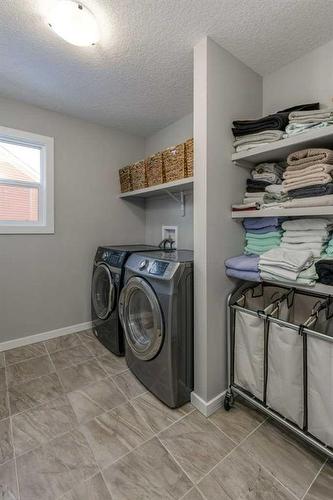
[[170, 232]]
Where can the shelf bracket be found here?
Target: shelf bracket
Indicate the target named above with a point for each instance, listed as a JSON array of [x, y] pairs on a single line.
[[180, 200]]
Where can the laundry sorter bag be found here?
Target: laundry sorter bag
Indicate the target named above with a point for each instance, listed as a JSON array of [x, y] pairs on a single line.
[[285, 361], [249, 336]]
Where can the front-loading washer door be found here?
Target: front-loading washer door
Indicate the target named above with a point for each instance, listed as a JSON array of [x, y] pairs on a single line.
[[142, 318], [103, 292]]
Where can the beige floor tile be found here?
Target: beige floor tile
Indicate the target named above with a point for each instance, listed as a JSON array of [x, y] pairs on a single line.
[[87, 335], [129, 384], [24, 353], [95, 399], [2, 379], [70, 357], [239, 421], [2, 359], [64, 342], [28, 370], [8, 483], [112, 364], [78, 376], [291, 462], [148, 473], [93, 489], [238, 476], [196, 444], [51, 470], [41, 424], [34, 392], [4, 405], [6, 445], [322, 488], [115, 433], [96, 347], [157, 415]]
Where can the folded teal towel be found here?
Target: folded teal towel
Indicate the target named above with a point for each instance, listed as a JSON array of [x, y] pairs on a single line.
[[275, 234], [268, 242], [258, 250], [330, 243]]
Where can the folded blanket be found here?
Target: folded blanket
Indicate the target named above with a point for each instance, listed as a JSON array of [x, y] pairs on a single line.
[[287, 259], [316, 190], [262, 230], [243, 275], [260, 222], [299, 128], [266, 176], [305, 224], [317, 168], [271, 167], [311, 116], [305, 157], [324, 270], [264, 236], [313, 201], [245, 206], [243, 263], [305, 181], [278, 121]]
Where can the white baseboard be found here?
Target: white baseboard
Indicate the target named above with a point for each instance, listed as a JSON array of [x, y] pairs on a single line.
[[207, 408], [40, 337]]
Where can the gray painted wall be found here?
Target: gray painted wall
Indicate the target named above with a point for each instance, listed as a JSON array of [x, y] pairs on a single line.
[[224, 89], [308, 79], [164, 211], [45, 279]]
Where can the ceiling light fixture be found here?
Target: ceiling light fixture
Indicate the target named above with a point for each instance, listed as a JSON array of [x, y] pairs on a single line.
[[73, 22]]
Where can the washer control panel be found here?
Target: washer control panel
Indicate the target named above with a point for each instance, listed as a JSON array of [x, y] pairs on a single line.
[[158, 267], [145, 266]]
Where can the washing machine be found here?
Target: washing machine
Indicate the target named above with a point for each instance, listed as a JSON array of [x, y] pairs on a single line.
[[107, 282], [156, 311]]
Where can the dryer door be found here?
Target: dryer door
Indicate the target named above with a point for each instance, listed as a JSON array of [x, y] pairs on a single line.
[[103, 291], [142, 318]]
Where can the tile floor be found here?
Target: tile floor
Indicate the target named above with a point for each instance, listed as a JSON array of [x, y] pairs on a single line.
[[75, 424]]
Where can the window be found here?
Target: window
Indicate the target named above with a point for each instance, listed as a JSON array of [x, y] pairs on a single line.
[[26, 182]]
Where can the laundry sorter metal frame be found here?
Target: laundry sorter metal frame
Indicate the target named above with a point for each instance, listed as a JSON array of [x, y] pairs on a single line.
[[260, 405]]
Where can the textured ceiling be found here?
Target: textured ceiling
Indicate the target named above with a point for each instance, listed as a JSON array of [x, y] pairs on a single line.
[[139, 77]]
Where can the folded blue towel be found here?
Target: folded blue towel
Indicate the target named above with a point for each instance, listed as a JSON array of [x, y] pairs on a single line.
[[262, 230], [243, 275], [243, 263], [260, 222]]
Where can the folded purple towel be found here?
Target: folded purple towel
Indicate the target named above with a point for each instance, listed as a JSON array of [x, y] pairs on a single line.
[[262, 230], [260, 222], [243, 263], [243, 275]]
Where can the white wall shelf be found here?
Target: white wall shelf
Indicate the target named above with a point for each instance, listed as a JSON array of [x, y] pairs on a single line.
[[317, 288], [284, 212], [161, 189], [279, 150]]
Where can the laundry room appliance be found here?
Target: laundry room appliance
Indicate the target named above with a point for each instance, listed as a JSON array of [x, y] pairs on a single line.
[[156, 311], [107, 282]]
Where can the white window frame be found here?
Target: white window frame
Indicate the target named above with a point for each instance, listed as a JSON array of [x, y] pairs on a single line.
[[45, 223]]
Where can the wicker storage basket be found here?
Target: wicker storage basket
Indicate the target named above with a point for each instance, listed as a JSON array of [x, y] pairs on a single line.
[[125, 179], [189, 157], [138, 175], [174, 163], [154, 170]]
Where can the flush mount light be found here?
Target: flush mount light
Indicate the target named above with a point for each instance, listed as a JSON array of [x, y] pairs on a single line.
[[73, 22]]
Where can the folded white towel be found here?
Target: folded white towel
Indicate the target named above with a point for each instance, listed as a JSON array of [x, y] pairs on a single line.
[[316, 249], [306, 180], [304, 239], [313, 201], [276, 271], [313, 116], [287, 258], [264, 136], [295, 128], [306, 277], [305, 224], [299, 235], [254, 195], [318, 168]]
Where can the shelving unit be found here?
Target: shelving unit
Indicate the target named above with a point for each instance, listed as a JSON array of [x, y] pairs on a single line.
[[161, 189], [284, 212], [279, 150]]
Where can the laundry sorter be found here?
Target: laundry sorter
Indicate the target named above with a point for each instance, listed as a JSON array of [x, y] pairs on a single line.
[[280, 357]]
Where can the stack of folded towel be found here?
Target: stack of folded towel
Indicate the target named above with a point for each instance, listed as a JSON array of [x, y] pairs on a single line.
[[301, 121], [324, 268], [244, 267], [306, 234], [261, 234], [274, 195], [288, 266], [308, 178]]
